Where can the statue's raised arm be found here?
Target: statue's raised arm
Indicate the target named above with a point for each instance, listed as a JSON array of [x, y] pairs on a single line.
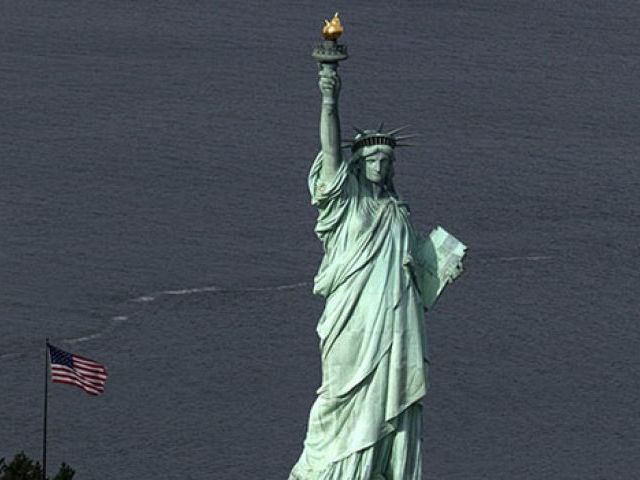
[[329, 84], [329, 54]]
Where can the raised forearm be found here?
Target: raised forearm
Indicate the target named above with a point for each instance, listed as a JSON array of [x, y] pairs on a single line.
[[330, 139], [329, 123]]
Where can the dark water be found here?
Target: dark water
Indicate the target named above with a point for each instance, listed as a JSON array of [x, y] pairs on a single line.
[[153, 216]]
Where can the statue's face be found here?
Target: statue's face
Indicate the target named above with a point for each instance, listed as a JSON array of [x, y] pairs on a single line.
[[377, 163]]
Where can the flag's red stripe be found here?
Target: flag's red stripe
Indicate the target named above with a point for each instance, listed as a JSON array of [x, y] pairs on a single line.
[[78, 386], [92, 377], [89, 369], [68, 372], [80, 357], [78, 383], [76, 371], [90, 374], [89, 365], [78, 379], [84, 373], [72, 382]]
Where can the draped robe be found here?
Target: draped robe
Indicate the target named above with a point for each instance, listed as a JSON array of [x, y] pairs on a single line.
[[372, 336]]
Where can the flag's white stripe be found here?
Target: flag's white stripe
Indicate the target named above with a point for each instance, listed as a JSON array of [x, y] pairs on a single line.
[[75, 384], [88, 365], [86, 389], [90, 373], [83, 373], [66, 369], [85, 359], [77, 381], [62, 368], [69, 372], [77, 377]]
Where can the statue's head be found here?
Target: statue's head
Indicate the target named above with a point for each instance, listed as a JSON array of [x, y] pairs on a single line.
[[377, 163], [373, 155]]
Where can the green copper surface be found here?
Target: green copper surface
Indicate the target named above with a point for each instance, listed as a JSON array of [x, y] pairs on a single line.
[[378, 276]]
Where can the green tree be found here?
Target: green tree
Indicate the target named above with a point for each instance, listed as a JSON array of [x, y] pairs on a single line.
[[23, 468]]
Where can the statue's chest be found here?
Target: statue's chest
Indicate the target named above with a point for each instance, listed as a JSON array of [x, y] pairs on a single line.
[[361, 220], [385, 217]]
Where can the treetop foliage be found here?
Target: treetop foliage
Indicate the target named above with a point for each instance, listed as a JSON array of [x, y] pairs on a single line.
[[23, 468]]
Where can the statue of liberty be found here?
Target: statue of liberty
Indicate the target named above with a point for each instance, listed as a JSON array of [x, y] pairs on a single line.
[[377, 276]]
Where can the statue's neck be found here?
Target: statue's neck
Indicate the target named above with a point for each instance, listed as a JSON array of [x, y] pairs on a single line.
[[377, 191]]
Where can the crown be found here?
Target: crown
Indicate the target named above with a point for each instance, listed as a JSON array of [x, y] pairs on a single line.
[[365, 138]]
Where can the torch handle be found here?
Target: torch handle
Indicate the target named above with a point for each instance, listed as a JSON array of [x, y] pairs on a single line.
[[328, 67]]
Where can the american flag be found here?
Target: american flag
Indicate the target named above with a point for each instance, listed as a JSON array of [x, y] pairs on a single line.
[[76, 370]]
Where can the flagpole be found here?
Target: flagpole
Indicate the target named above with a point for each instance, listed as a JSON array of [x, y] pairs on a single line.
[[44, 430]]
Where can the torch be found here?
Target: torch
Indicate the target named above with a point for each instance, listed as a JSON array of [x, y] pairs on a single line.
[[330, 52]]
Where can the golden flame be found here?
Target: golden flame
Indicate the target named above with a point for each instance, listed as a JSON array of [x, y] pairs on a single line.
[[332, 29]]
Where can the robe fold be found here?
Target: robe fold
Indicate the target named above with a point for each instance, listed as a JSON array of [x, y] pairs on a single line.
[[373, 342]]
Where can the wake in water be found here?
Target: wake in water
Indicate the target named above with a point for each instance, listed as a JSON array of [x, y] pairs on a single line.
[[190, 291], [152, 297], [531, 258]]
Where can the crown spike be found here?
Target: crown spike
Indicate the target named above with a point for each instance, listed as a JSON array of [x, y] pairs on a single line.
[[365, 138], [397, 130]]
